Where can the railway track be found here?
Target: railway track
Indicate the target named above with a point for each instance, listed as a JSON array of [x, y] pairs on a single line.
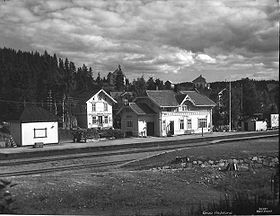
[[63, 168], [102, 154], [14, 162]]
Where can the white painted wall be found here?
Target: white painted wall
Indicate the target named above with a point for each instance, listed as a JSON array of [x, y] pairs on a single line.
[[99, 111], [193, 115], [142, 124], [27, 130], [261, 125]]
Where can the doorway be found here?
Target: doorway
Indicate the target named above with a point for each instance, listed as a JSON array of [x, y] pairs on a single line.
[[150, 129], [171, 127]]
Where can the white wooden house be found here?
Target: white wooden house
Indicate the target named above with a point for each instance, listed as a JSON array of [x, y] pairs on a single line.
[[34, 124], [164, 112], [95, 110]]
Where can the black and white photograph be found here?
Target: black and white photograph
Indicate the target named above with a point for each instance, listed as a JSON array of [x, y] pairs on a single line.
[[139, 107]]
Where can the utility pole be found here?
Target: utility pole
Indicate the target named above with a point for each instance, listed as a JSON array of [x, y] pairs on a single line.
[[63, 99], [229, 105]]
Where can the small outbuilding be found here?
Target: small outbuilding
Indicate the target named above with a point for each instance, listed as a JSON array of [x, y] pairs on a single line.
[[34, 125]]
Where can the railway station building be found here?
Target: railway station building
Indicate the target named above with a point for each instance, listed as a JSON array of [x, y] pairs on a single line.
[[166, 113], [95, 109]]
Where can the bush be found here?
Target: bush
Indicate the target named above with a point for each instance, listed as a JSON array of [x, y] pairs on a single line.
[[108, 133], [92, 133], [6, 199]]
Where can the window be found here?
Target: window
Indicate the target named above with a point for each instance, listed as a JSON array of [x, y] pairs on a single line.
[[184, 108], [189, 122], [181, 123], [202, 123], [106, 119], [40, 132], [105, 107], [94, 107], [129, 123], [129, 116], [93, 119]]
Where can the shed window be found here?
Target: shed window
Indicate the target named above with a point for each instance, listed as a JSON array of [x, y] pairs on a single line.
[[40, 132]]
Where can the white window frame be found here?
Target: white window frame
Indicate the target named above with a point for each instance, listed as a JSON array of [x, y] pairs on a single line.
[[105, 107], [189, 123], [94, 107], [42, 130], [94, 120]]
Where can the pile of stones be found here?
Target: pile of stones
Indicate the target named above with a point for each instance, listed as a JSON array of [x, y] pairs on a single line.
[[252, 162]]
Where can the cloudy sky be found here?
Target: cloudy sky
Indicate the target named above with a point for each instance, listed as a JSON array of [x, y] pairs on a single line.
[[173, 40]]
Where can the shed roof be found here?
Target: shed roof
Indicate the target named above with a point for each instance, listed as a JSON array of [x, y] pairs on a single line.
[[36, 114]]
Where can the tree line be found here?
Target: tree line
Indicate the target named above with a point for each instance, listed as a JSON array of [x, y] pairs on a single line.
[[31, 77]]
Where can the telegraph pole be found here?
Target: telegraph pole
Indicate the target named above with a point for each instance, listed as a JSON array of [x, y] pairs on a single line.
[[229, 105]]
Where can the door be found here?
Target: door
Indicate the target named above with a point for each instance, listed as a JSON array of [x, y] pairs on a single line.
[[150, 128], [100, 120], [171, 126]]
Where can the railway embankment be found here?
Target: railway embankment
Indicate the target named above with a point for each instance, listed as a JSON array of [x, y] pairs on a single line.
[[130, 143]]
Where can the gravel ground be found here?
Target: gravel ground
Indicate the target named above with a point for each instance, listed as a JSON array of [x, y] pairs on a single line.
[[138, 190]]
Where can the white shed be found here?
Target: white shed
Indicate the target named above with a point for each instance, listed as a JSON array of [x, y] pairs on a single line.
[[34, 125]]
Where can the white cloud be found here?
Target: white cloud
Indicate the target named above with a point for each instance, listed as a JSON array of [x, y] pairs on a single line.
[[155, 37]]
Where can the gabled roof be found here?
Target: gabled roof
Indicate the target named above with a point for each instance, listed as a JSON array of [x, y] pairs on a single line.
[[139, 109], [163, 98], [84, 97], [36, 114], [199, 79], [197, 99]]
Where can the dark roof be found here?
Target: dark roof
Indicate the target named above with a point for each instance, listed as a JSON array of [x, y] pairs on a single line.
[[199, 79], [36, 114], [163, 97], [141, 109], [85, 96], [180, 98], [198, 99], [115, 94]]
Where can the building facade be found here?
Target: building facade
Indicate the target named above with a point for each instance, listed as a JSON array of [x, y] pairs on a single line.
[[34, 125], [95, 110], [166, 113]]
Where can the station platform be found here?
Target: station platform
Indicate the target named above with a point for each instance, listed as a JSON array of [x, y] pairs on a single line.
[[69, 147]]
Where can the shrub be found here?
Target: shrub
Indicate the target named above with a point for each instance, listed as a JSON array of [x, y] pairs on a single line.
[[108, 133], [6, 199], [92, 133]]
